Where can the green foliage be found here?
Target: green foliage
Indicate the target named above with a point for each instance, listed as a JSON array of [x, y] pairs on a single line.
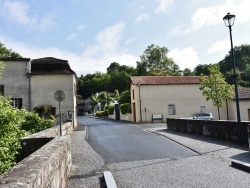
[[202, 69], [187, 72], [102, 113], [242, 63], [10, 133], [125, 97], [15, 124], [215, 88], [4, 52], [105, 113], [125, 108], [33, 123], [154, 61], [98, 113], [42, 111], [1, 68], [111, 109]]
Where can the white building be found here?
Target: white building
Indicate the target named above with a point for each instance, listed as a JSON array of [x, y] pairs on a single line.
[[34, 82]]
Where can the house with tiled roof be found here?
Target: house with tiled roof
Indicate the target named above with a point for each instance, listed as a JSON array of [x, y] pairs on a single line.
[[244, 103], [33, 82], [168, 97]]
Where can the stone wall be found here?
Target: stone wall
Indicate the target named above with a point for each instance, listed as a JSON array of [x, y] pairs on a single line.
[[49, 166], [220, 129]]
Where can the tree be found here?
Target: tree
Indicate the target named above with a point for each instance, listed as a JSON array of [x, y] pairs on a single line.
[[242, 62], [94, 102], [215, 88], [4, 52], [201, 69], [187, 72], [125, 97], [93, 83], [119, 81], [154, 58]]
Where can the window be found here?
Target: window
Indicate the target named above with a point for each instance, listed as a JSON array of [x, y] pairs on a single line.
[[17, 103], [171, 109], [133, 94], [1, 89], [203, 109]]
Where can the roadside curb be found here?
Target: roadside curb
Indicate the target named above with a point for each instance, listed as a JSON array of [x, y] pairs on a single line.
[[240, 165], [162, 134], [109, 179]]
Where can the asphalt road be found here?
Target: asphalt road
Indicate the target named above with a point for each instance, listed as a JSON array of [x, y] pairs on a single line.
[[117, 142]]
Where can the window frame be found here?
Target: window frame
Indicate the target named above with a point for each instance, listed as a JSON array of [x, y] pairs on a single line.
[[171, 109]]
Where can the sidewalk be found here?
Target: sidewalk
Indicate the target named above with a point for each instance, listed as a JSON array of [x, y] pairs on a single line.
[[204, 145], [87, 166]]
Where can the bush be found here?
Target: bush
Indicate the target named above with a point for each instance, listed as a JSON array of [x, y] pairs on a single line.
[[102, 113], [111, 109], [33, 123], [10, 133], [43, 111], [105, 113], [98, 113], [125, 108]]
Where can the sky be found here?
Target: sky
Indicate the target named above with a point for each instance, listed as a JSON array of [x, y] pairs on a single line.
[[93, 34]]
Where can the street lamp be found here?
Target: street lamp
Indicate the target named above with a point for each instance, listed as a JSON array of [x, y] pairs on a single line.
[[229, 22]]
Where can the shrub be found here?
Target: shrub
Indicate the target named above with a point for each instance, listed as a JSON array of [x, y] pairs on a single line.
[[125, 108], [43, 111], [105, 113], [98, 113], [111, 109], [33, 123], [102, 113], [10, 133]]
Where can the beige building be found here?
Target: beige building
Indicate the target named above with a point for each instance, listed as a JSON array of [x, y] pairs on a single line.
[[34, 82], [169, 96]]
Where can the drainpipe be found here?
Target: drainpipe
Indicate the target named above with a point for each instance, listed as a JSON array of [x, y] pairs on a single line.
[[139, 85], [28, 74]]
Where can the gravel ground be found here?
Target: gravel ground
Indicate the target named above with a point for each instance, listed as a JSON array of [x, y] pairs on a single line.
[[212, 168]]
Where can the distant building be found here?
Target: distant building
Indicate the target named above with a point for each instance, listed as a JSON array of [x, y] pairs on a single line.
[[30, 83], [177, 97]]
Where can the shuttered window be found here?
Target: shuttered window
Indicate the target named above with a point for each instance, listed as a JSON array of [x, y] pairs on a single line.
[[17, 102]]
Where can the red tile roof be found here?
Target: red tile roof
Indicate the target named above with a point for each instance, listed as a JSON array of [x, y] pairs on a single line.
[[244, 93], [164, 80]]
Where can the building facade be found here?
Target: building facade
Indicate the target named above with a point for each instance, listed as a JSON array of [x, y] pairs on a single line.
[[30, 83], [169, 96]]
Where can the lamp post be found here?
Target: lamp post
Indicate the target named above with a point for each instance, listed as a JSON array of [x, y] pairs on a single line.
[[229, 22]]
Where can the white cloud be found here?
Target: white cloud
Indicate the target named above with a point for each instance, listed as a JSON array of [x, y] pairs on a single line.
[[219, 46], [71, 36], [210, 16], [94, 58], [107, 41], [163, 5], [143, 17], [17, 11], [185, 58]]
